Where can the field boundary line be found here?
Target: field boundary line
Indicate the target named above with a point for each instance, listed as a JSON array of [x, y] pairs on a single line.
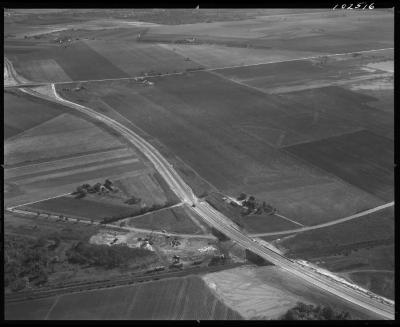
[[73, 171], [72, 166], [295, 222], [24, 204], [51, 308], [154, 211], [330, 223], [69, 157], [22, 133]]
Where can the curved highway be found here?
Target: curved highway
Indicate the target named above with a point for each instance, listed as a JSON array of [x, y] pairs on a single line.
[[367, 300]]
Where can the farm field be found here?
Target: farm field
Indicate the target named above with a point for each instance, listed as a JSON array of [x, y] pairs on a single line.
[[77, 61], [173, 299], [268, 292], [226, 156], [365, 231], [18, 109], [314, 31], [175, 220], [80, 208], [354, 158], [294, 75], [67, 133], [97, 56], [136, 59]]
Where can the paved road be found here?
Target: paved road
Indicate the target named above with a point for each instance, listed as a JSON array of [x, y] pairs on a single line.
[[375, 304], [331, 223]]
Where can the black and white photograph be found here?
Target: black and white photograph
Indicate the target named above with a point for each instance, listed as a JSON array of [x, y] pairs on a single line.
[[199, 163]]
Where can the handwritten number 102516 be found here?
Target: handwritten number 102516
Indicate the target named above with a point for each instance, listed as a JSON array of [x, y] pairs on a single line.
[[360, 6]]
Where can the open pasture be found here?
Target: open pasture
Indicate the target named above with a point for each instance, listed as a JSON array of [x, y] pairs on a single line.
[[185, 298]]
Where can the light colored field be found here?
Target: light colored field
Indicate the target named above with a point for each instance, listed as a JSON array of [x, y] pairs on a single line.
[[44, 70], [270, 26], [61, 136], [136, 58], [240, 289], [387, 66], [268, 292]]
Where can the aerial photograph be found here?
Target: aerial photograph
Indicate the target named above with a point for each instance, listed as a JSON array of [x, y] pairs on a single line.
[[199, 163]]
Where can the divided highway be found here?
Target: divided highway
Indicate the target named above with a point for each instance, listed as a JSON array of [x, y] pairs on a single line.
[[369, 301]]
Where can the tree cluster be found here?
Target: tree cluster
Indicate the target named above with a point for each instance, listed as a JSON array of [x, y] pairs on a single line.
[[27, 261], [304, 311], [251, 205]]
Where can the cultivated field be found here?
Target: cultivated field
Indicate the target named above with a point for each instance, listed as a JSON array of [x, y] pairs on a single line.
[[22, 113], [268, 292], [361, 158], [73, 136], [192, 116], [80, 208], [373, 229], [173, 299], [329, 31]]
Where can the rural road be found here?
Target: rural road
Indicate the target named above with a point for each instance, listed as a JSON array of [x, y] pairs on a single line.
[[331, 223], [25, 83], [380, 306], [117, 226]]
